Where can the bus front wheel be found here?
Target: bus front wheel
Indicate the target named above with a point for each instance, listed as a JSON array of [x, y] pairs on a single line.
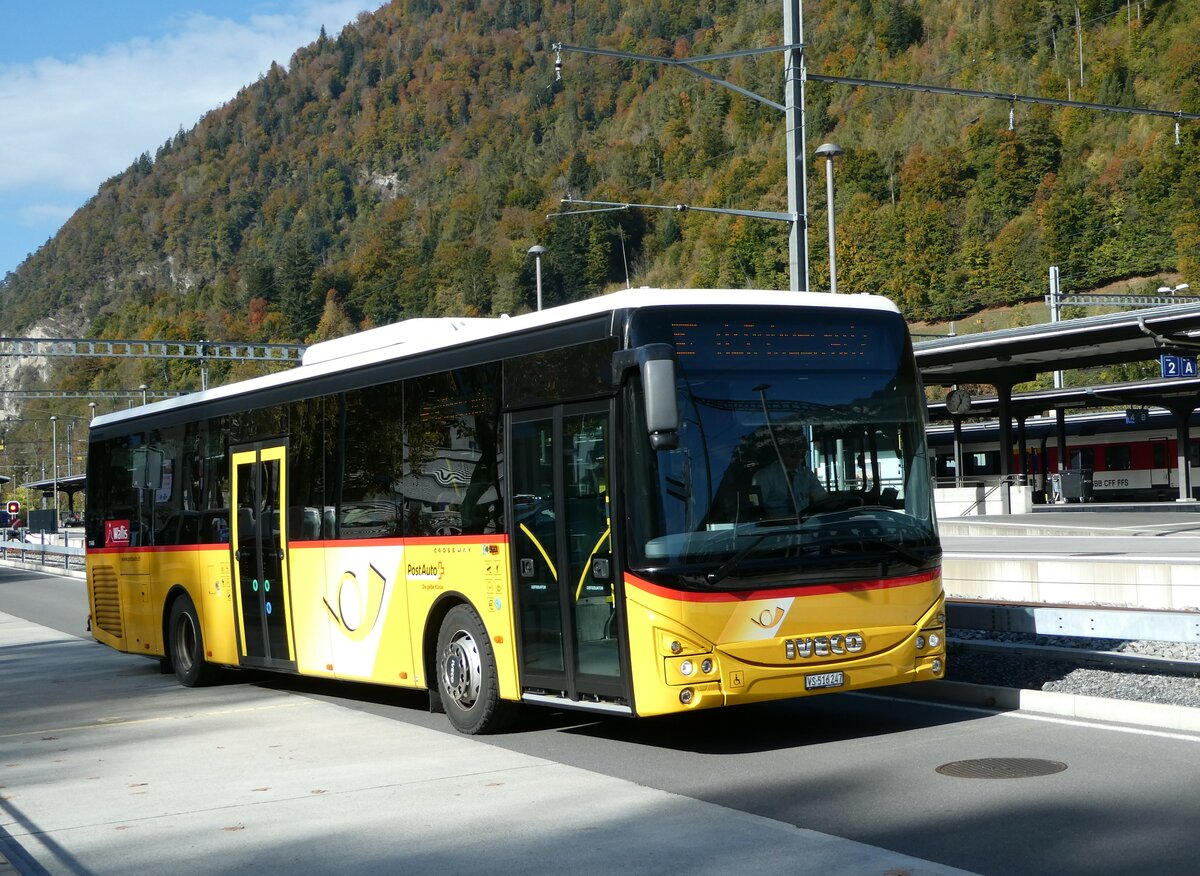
[[466, 674], [185, 644]]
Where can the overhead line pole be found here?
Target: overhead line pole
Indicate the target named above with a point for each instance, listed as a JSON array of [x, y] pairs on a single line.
[[793, 110], [797, 162]]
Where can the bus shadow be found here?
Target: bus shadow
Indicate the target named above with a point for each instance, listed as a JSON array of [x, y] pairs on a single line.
[[783, 724], [759, 727]]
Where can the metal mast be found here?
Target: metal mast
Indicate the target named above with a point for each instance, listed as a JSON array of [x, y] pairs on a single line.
[[797, 164]]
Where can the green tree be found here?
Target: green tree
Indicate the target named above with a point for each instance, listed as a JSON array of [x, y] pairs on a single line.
[[294, 271]]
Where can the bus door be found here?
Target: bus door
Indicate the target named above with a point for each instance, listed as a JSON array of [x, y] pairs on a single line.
[[259, 561], [569, 622]]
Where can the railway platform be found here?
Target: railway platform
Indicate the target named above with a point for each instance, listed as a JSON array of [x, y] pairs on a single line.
[[1113, 571]]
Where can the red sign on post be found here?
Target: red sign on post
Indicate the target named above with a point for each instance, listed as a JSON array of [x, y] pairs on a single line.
[[116, 533]]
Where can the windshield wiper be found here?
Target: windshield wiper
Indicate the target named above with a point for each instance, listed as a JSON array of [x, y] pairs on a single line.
[[719, 574]]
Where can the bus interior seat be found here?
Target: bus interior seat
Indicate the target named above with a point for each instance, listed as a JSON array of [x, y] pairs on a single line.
[[246, 523]]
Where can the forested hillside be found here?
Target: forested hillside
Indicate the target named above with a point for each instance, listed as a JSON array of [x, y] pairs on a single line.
[[404, 167]]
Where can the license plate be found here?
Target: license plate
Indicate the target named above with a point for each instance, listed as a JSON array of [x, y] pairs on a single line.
[[825, 679]]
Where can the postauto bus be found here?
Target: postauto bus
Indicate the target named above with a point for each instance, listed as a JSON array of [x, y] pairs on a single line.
[[562, 508]]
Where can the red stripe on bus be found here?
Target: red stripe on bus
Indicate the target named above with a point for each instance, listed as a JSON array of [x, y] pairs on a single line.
[[415, 541], [160, 548], [801, 591]]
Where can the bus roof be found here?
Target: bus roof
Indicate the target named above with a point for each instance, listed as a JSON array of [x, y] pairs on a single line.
[[413, 337]]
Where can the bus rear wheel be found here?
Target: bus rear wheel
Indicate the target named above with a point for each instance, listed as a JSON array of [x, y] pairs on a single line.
[[466, 675], [185, 645]]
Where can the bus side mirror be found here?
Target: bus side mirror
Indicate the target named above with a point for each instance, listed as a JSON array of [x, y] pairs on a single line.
[[656, 363]]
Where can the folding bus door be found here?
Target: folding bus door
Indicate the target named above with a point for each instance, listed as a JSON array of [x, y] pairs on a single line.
[[259, 561], [569, 624]]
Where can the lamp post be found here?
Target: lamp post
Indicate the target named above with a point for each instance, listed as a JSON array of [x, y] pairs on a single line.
[[54, 466], [92, 405], [1173, 290], [537, 252], [143, 388], [829, 151]]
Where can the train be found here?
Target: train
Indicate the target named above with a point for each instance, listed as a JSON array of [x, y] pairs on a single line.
[[1112, 456]]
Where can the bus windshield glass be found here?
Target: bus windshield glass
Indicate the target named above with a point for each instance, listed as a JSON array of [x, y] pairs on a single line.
[[801, 451]]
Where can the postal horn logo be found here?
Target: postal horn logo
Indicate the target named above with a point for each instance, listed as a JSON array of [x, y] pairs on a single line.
[[355, 607], [768, 617]]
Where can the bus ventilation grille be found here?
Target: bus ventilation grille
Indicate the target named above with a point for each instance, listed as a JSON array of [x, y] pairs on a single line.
[[108, 601]]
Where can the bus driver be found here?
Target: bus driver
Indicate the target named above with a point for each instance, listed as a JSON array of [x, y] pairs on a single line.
[[787, 486]]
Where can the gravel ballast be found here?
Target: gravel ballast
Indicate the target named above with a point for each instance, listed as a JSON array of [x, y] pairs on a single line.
[[1034, 672]]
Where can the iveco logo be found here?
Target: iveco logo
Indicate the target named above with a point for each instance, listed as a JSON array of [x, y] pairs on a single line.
[[823, 646]]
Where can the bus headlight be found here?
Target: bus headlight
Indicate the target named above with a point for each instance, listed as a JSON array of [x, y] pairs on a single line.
[[920, 642], [934, 640], [936, 666], [706, 665], [686, 668], [685, 695]]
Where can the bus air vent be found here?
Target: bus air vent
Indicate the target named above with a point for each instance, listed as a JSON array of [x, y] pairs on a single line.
[[108, 603]]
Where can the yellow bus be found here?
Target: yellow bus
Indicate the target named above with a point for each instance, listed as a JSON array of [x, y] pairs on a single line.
[[649, 502]]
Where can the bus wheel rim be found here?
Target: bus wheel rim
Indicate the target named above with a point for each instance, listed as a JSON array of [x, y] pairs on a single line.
[[462, 669], [185, 642]]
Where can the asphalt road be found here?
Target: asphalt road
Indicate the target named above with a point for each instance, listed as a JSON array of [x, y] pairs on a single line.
[[861, 767]]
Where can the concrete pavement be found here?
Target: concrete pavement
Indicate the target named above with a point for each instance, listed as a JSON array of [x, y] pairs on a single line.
[[106, 766]]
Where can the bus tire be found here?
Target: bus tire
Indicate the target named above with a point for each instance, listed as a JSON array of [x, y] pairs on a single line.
[[185, 645], [466, 675]]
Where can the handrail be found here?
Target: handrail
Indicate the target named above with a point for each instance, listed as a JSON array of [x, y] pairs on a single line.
[[1002, 480], [56, 556]]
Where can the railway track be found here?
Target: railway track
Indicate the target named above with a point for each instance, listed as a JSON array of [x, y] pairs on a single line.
[[1144, 671], [1080, 654]]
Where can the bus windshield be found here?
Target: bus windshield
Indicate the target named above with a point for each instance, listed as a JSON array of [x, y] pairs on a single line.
[[801, 452]]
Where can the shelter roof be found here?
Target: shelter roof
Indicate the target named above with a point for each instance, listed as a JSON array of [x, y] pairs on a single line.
[[1008, 357], [1016, 355]]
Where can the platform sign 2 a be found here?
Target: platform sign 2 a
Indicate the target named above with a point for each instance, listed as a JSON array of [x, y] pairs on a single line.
[[1177, 366]]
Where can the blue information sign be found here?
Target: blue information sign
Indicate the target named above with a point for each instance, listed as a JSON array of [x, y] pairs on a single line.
[[1177, 366]]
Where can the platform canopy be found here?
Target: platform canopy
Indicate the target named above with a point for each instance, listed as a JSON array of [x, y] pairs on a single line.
[[69, 484], [1008, 357]]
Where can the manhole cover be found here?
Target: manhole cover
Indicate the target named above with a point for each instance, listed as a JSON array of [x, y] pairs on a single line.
[[1001, 768]]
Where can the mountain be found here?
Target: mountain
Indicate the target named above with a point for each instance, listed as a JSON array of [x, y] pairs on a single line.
[[405, 166]]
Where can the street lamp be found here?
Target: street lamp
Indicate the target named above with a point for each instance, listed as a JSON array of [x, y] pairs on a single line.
[[92, 405], [1173, 290], [537, 252], [829, 151], [54, 466], [143, 388]]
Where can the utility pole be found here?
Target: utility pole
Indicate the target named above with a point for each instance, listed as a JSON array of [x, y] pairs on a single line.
[[1053, 299], [797, 162], [1079, 32], [795, 75]]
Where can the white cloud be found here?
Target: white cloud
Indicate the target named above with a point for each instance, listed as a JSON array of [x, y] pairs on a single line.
[[37, 214], [68, 126]]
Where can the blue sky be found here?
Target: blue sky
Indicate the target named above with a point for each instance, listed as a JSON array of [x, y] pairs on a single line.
[[87, 86]]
